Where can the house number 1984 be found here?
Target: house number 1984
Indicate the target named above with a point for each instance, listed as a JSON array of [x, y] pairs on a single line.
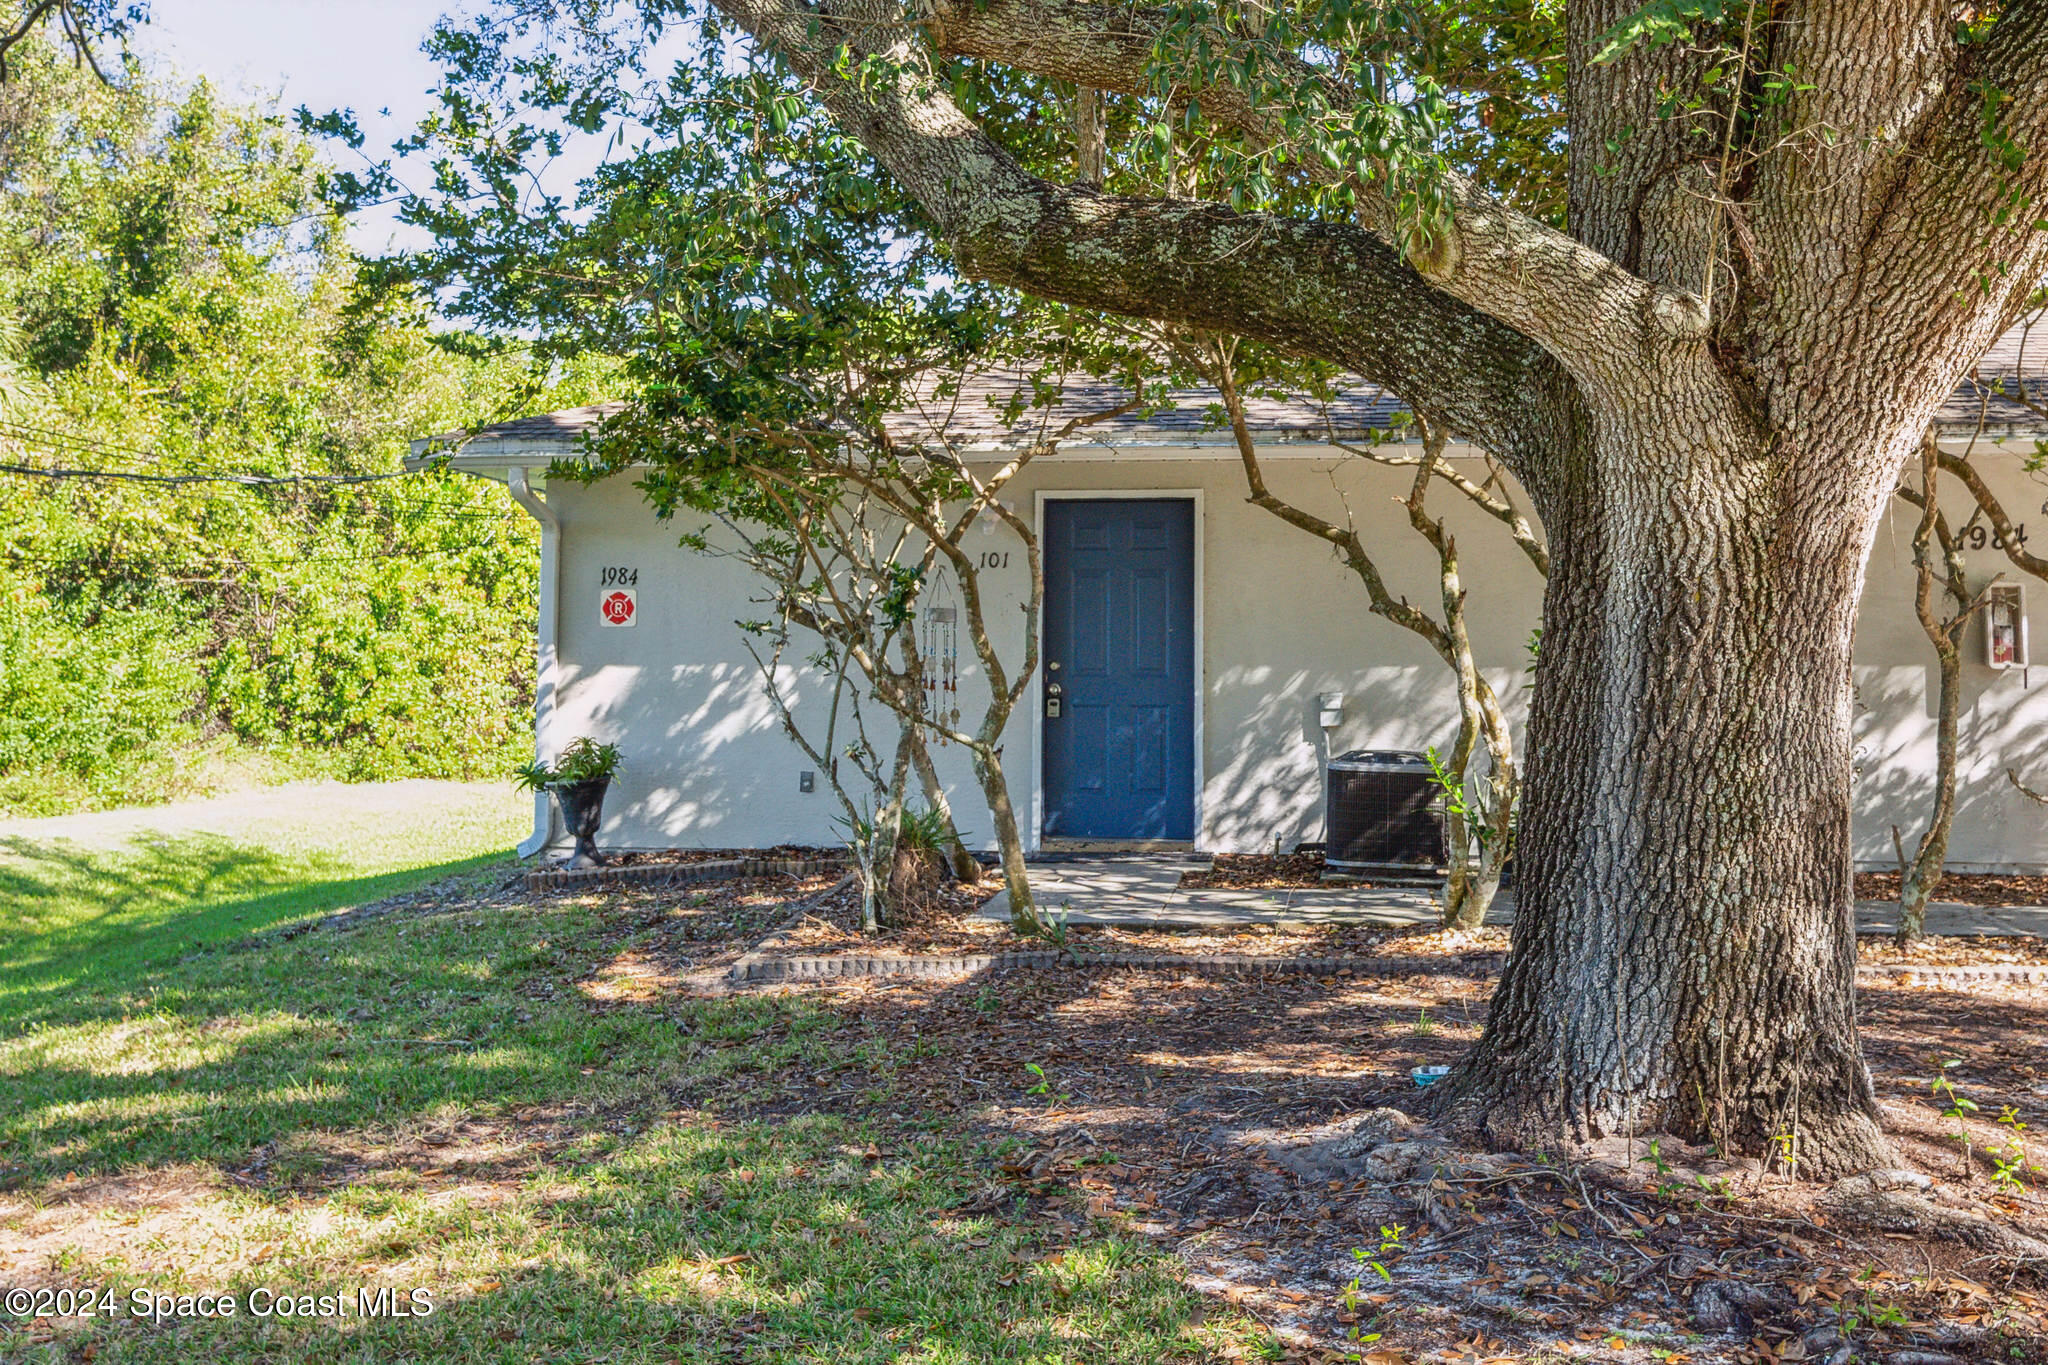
[[615, 576], [1976, 537]]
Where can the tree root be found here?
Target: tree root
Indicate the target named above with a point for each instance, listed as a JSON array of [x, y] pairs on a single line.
[[1885, 1201], [1829, 1147], [1418, 1163]]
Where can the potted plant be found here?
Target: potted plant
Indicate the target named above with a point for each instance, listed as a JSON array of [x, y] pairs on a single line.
[[578, 781]]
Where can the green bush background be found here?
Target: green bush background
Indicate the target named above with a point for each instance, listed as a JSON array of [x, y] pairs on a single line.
[[176, 299]]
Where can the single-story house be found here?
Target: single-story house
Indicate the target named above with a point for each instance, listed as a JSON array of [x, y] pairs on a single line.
[[1244, 626]]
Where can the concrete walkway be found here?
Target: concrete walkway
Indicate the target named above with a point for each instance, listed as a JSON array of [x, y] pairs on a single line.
[[290, 814], [1146, 890]]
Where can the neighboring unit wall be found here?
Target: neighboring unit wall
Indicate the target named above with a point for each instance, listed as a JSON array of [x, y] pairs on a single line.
[[1282, 620], [2004, 720]]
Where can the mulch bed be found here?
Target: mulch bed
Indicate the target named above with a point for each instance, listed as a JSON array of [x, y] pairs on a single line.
[[663, 938], [833, 927], [1878, 950], [1177, 1107], [948, 927], [1259, 872], [1170, 1104]]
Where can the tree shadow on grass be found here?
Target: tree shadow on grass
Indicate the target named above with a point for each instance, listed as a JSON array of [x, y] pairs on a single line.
[[150, 1013], [699, 1242], [85, 917]]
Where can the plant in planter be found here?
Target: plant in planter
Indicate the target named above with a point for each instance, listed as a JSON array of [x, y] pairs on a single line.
[[578, 781]]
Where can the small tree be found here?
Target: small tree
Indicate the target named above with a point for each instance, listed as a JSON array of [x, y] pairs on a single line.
[[1920, 876], [1479, 811], [1933, 540], [871, 620], [851, 518]]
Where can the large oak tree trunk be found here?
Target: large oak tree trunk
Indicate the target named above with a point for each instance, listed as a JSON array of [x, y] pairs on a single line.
[[1684, 951]]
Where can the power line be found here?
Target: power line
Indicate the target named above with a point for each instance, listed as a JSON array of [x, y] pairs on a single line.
[[349, 557], [242, 480], [67, 441]]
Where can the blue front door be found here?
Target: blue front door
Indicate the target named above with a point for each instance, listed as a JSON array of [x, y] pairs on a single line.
[[1120, 648]]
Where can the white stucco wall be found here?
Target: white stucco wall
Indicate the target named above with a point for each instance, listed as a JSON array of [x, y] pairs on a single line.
[[1281, 621]]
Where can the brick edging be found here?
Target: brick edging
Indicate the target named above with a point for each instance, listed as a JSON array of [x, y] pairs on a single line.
[[755, 970], [678, 874]]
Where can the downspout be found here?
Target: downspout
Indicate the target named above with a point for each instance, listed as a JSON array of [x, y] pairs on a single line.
[[545, 659]]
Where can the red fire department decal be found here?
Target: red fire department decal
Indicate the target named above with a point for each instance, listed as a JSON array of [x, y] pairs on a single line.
[[616, 607]]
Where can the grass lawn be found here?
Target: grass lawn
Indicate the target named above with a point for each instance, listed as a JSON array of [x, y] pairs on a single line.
[[196, 1099]]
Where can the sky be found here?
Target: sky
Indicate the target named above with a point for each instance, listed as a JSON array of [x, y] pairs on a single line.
[[325, 54]]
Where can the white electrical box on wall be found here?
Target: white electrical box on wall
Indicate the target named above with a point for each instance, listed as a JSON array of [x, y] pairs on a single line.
[[2005, 625]]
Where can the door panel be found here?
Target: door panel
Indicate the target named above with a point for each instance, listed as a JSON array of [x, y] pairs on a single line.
[[1119, 759]]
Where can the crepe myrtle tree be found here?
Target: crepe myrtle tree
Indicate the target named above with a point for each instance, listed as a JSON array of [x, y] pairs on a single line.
[[795, 342], [1938, 567], [1479, 818], [850, 516], [1699, 273], [868, 619]]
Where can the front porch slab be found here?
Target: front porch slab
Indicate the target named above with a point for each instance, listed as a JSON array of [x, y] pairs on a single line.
[[1145, 889]]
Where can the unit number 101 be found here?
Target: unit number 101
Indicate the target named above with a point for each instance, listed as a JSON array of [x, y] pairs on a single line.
[[617, 577]]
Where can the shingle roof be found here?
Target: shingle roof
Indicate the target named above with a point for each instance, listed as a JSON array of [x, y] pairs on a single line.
[[2017, 363], [975, 416]]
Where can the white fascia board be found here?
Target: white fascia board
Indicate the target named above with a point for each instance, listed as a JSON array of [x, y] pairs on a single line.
[[491, 458], [2011, 442]]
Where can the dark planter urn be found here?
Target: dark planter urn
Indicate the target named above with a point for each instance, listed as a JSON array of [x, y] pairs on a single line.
[[582, 807]]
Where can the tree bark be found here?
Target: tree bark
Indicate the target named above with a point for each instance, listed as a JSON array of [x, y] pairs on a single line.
[[995, 788], [1684, 950], [1470, 885]]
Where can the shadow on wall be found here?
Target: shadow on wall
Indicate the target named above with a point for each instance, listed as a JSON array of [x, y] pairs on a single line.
[[1266, 748], [1895, 758], [705, 762]]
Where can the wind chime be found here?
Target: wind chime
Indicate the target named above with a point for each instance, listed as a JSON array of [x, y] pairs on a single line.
[[940, 642]]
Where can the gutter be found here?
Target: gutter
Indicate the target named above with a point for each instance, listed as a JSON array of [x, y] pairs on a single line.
[[546, 657]]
